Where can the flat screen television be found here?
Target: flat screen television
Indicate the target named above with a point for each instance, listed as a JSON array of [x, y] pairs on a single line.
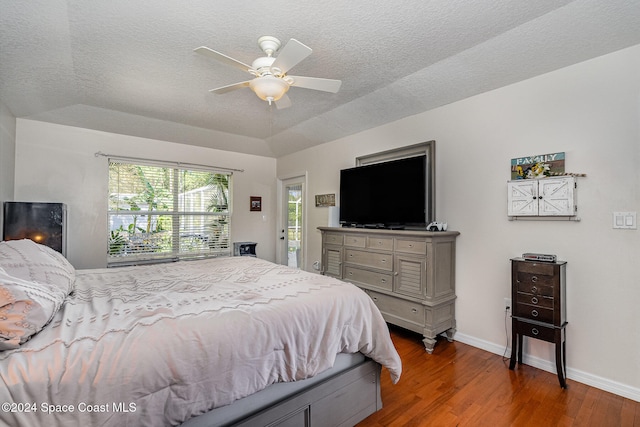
[[390, 194]]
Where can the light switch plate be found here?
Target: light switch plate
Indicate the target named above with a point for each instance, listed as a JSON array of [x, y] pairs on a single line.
[[625, 220]]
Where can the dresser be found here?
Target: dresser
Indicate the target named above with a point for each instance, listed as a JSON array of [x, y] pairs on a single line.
[[538, 295], [410, 275]]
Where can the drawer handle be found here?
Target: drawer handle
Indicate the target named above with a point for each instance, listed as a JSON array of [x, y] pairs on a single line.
[[534, 313], [414, 310], [534, 300], [534, 289], [410, 245], [383, 280], [374, 298], [535, 331], [534, 279], [383, 260], [351, 273]]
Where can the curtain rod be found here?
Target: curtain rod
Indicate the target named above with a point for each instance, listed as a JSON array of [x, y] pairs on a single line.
[[113, 156]]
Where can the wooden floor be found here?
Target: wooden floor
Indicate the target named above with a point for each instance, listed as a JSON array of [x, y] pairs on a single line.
[[460, 385]]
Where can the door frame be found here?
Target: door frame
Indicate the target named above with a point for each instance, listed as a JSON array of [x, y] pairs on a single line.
[[282, 222]]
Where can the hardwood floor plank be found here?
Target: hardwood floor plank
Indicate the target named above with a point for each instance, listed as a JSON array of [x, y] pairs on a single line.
[[630, 414], [459, 385]]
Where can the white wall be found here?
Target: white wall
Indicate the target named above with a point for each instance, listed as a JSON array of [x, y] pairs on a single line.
[[56, 163], [591, 111], [7, 154]]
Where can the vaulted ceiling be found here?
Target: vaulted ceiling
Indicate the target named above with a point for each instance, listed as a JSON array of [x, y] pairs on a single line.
[[129, 67]]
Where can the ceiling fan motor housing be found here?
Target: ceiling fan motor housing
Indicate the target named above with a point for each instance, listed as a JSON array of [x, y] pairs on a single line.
[[262, 65]]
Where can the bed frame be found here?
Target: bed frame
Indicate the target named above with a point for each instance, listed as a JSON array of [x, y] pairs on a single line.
[[329, 399]]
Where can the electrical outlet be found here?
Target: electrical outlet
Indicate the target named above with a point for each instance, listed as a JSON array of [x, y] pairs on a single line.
[[507, 304]]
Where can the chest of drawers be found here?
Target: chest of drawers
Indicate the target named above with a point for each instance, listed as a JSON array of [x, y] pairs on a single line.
[[409, 275], [538, 295]]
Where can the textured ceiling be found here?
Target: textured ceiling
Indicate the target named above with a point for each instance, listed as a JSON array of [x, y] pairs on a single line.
[[128, 66]]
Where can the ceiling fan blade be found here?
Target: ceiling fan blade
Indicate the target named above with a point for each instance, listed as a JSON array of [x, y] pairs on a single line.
[[290, 55], [229, 88], [284, 102], [316, 83], [222, 58]]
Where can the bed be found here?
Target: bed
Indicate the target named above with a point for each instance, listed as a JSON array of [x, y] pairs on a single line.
[[224, 341]]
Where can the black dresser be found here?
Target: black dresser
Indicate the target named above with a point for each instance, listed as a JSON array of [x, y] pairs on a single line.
[[538, 295]]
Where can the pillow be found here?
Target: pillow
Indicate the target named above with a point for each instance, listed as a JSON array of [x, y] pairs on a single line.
[[30, 261], [25, 308]]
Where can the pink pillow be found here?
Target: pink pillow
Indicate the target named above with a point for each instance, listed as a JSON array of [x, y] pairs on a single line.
[[25, 308]]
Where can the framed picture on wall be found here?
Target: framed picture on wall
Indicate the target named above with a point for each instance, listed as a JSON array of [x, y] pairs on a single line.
[[255, 203], [323, 200]]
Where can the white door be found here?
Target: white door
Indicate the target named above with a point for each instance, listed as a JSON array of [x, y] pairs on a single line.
[[292, 215]]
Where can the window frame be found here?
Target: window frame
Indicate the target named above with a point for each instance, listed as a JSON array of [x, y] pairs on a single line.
[[221, 246]]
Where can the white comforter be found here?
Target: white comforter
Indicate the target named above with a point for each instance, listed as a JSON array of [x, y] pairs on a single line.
[[157, 345]]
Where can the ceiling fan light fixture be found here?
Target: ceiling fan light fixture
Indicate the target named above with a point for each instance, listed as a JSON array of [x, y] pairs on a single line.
[[271, 81], [269, 88]]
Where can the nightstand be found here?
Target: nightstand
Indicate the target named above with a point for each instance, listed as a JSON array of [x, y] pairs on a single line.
[[244, 249], [538, 294]]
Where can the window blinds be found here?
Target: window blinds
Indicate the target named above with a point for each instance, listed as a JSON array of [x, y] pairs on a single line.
[[160, 212]]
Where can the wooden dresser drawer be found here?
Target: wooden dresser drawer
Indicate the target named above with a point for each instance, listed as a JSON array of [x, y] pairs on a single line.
[[355, 241], [534, 299], [411, 246], [537, 331], [533, 288], [333, 239], [534, 312], [537, 268], [382, 243], [407, 310], [369, 259], [369, 278], [536, 279]]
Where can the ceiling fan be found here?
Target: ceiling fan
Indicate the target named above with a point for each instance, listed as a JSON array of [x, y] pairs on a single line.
[[271, 81]]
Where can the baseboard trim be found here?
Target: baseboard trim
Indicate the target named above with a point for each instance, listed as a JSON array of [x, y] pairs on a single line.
[[591, 380]]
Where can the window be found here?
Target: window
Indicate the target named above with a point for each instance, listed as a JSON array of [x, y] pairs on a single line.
[[160, 212]]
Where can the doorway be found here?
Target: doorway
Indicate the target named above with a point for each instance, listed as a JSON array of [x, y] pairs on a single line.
[[292, 215]]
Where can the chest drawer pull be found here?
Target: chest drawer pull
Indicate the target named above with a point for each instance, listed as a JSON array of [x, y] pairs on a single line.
[[534, 279], [383, 280], [534, 300], [414, 310], [535, 331], [534, 289], [534, 313]]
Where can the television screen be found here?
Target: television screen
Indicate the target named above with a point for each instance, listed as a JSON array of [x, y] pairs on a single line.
[[384, 194]]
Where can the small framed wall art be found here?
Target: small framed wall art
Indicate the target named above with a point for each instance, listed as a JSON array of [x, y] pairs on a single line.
[[255, 203], [323, 200], [539, 166]]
